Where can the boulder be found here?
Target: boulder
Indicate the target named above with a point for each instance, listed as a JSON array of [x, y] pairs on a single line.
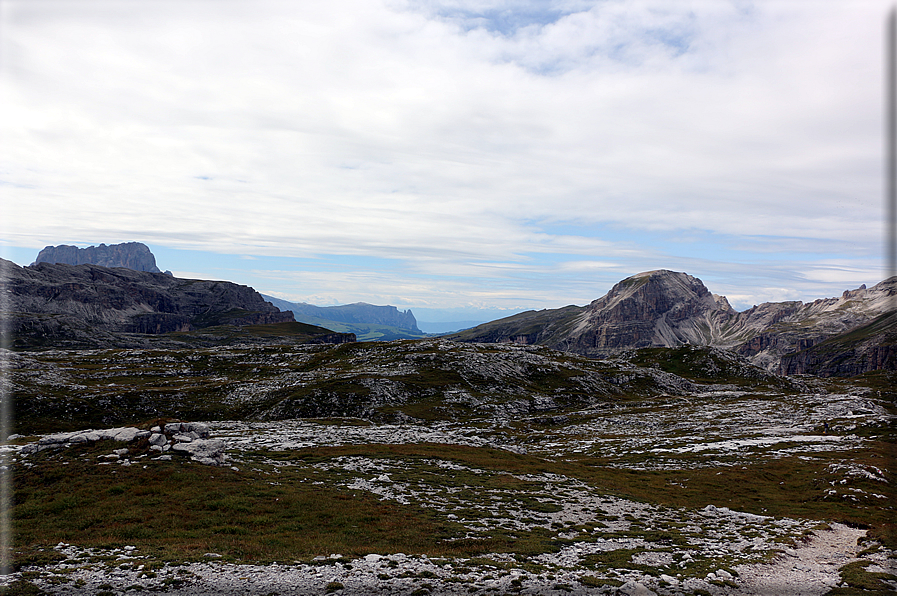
[[632, 588], [204, 451]]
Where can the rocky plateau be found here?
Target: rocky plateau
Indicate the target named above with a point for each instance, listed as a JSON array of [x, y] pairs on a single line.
[[501, 469]]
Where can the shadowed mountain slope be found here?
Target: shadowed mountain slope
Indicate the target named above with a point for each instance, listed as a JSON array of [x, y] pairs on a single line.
[[55, 304]]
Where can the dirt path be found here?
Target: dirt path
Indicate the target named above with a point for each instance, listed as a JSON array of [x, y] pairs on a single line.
[[809, 570]]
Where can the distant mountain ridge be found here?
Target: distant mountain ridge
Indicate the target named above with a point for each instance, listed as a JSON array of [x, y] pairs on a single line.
[[131, 255], [361, 318], [667, 309]]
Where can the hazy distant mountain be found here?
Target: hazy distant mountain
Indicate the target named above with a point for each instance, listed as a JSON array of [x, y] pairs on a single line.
[[667, 309], [446, 326], [367, 321], [131, 255]]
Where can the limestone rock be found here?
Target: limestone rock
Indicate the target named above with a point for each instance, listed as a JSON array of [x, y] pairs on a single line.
[[125, 434], [131, 255], [204, 451], [185, 428], [632, 588]]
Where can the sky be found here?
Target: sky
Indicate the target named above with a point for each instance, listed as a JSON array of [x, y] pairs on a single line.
[[462, 158]]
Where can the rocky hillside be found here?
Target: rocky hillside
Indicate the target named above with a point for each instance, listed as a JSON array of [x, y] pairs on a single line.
[[868, 347], [58, 305], [131, 255], [391, 382], [667, 309]]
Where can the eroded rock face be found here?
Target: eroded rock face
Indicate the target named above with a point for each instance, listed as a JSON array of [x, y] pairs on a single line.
[[863, 349], [53, 302], [668, 309], [654, 309], [131, 255]]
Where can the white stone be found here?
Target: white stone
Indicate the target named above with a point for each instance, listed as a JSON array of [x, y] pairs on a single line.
[[669, 578], [632, 588], [204, 451]]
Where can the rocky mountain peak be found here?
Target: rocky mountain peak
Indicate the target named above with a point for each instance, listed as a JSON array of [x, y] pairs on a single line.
[[130, 255], [645, 296], [652, 309]]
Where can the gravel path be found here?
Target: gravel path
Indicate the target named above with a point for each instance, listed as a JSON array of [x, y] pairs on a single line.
[[810, 570]]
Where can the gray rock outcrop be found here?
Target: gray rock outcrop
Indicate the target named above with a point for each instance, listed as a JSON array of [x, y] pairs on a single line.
[[131, 255], [124, 434], [205, 451], [184, 438]]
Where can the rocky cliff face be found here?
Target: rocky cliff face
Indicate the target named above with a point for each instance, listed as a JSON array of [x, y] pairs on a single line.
[[869, 347], [131, 255], [50, 302], [768, 332], [666, 309]]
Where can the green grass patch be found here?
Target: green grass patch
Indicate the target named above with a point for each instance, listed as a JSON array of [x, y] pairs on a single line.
[[862, 582]]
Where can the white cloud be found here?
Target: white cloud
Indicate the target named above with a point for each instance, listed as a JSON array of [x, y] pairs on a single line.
[[450, 135]]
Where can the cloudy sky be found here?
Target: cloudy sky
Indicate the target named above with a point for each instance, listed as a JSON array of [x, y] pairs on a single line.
[[452, 156]]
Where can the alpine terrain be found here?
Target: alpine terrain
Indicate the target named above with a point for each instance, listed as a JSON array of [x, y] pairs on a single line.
[[184, 437]]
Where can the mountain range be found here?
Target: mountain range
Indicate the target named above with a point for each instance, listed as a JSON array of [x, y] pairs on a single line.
[[57, 303], [847, 335], [367, 321]]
